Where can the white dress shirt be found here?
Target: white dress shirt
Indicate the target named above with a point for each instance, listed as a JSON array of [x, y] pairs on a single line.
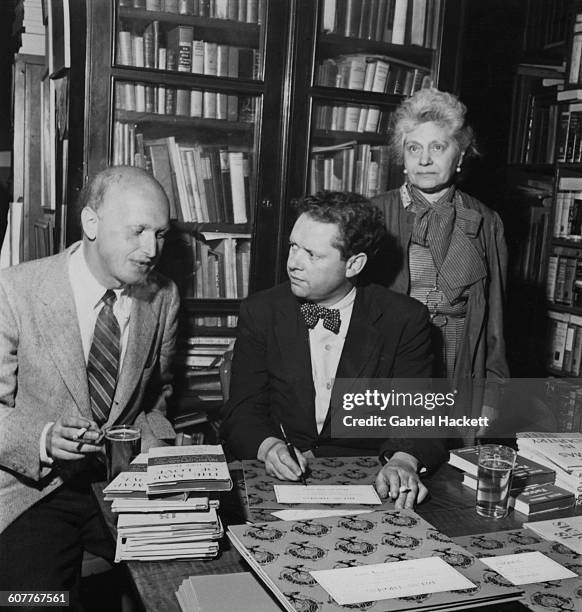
[[88, 294], [326, 349]]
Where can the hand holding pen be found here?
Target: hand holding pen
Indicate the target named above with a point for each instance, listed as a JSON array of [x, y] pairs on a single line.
[[293, 453]]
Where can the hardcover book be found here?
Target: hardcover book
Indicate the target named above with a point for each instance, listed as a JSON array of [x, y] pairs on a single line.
[[526, 471], [285, 554], [535, 498]]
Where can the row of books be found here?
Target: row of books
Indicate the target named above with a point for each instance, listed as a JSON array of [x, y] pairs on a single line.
[[351, 118], [535, 115], [247, 11], [201, 359], [166, 503], [564, 278], [568, 210], [185, 102], [532, 487], [371, 73], [529, 262], [575, 64], [203, 184], [360, 168], [564, 342], [181, 53], [546, 23], [558, 451], [569, 139], [398, 22], [215, 266], [564, 396]]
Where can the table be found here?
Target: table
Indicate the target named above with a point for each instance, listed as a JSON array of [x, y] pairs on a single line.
[[450, 508]]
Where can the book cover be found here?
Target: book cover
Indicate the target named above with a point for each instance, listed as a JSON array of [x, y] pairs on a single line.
[[557, 594], [283, 554], [565, 531], [187, 468]]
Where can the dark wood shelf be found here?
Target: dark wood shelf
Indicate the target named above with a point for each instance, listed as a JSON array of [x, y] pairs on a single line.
[[227, 228], [324, 137], [540, 168], [153, 121], [211, 305], [575, 310], [222, 30], [564, 242], [191, 80], [559, 373], [336, 95], [406, 55], [570, 166]]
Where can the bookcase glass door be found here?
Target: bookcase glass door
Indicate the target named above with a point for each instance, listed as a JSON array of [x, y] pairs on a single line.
[[187, 106], [368, 56]]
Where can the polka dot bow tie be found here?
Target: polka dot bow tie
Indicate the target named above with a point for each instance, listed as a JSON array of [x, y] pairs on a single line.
[[312, 313]]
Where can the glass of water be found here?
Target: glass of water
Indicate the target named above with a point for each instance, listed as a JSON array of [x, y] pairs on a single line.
[[494, 479]]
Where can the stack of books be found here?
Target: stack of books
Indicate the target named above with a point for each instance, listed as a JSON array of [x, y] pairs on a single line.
[[167, 503], [532, 489], [168, 535], [561, 452], [224, 592]]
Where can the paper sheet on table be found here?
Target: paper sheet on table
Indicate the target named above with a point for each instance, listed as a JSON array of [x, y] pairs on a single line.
[[362, 583], [326, 494], [306, 515], [529, 567]]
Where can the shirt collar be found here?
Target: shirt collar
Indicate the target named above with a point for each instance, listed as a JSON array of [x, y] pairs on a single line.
[[346, 301], [85, 281]]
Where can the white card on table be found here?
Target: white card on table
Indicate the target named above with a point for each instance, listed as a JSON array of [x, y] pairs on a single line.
[[351, 585], [529, 567], [326, 494], [306, 515]]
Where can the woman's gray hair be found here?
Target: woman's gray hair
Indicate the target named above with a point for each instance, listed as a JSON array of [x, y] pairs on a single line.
[[426, 105]]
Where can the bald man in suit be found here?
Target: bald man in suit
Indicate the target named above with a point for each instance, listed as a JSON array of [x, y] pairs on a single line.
[[50, 438]]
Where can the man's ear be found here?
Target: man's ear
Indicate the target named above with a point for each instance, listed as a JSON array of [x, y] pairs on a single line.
[[89, 222], [355, 264]]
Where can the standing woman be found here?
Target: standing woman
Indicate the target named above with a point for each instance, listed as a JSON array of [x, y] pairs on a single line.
[[452, 247]]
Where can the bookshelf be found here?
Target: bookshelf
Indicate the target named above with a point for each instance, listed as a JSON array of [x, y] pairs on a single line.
[[355, 61], [533, 150], [238, 107], [563, 264]]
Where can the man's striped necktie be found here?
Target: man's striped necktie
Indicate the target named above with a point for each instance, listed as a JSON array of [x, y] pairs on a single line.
[[103, 362]]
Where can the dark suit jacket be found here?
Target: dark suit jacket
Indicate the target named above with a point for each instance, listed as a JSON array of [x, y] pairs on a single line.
[[272, 383]]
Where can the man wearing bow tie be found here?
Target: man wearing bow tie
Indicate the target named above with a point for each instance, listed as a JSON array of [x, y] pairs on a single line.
[[293, 340]]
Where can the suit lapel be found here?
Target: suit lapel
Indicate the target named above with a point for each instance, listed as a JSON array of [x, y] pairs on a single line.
[[59, 328], [143, 323], [293, 339], [363, 342]]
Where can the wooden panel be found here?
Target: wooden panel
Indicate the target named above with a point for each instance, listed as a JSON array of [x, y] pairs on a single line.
[[28, 72]]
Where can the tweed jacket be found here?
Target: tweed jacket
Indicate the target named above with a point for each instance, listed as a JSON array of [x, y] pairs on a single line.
[[481, 365], [43, 373]]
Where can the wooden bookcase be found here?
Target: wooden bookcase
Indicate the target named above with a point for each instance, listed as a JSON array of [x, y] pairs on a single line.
[[258, 128], [546, 155]]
